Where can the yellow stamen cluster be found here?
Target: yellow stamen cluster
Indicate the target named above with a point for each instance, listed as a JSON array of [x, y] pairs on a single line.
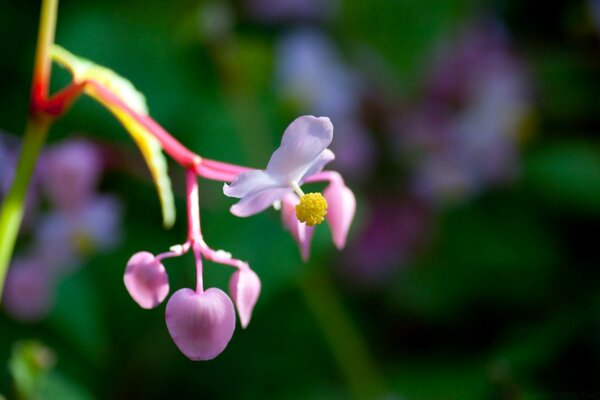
[[312, 209]]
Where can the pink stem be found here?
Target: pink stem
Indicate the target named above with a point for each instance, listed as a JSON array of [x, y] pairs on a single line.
[[169, 254], [206, 168], [193, 206], [214, 256], [198, 257], [172, 146], [225, 167]]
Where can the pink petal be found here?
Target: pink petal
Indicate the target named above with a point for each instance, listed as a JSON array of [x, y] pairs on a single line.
[[256, 202], [247, 183], [146, 280], [201, 325], [301, 233], [302, 143], [340, 212], [244, 288]]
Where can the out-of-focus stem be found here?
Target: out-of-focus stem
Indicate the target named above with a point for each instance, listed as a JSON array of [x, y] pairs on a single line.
[[38, 124], [346, 343], [11, 213], [43, 64]]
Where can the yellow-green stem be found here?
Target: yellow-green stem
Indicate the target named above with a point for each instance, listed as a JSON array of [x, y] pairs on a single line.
[[348, 348], [43, 63], [11, 213]]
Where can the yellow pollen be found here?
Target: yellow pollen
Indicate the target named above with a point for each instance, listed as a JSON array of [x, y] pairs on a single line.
[[312, 209]]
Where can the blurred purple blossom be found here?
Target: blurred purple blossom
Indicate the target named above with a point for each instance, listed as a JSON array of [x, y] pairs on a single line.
[[80, 222], [464, 136], [310, 74], [390, 237]]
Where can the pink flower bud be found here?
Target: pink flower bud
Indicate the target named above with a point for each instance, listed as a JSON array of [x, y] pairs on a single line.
[[301, 233], [201, 324], [146, 280], [244, 288], [342, 205]]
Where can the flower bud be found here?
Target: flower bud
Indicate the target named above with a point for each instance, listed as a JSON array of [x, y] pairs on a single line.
[[146, 280], [244, 288], [201, 324], [342, 205]]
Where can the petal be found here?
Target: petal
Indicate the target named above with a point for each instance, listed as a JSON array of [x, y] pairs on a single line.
[[146, 280], [201, 324], [244, 288], [247, 183], [256, 202], [303, 141], [301, 233], [317, 166], [342, 205]]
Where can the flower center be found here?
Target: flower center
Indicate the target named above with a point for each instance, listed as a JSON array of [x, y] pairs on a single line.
[[312, 209]]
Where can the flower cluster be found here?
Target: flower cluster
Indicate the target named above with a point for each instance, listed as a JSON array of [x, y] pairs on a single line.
[[201, 322]]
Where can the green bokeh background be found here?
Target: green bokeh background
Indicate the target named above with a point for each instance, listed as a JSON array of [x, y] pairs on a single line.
[[503, 303]]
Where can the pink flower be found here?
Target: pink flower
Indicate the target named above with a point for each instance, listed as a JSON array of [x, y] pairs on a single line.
[[201, 324], [244, 288], [341, 211], [146, 280], [303, 152]]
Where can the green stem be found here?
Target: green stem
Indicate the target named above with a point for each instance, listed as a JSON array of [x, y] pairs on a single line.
[[11, 213], [346, 343]]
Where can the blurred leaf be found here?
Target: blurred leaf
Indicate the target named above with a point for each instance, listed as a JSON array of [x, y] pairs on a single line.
[[29, 362], [56, 386], [84, 70], [566, 174], [78, 316]]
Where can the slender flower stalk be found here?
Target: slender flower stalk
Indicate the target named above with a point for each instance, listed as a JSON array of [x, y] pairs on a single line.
[[38, 124]]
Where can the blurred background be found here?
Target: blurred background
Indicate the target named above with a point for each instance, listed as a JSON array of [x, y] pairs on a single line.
[[468, 131]]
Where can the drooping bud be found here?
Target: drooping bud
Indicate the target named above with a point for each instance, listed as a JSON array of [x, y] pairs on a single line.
[[201, 324], [312, 209], [146, 280], [341, 211], [301, 233], [244, 288]]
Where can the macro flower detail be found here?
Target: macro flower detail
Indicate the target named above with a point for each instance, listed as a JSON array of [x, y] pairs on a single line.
[[303, 153], [244, 288], [300, 159], [146, 280], [201, 324]]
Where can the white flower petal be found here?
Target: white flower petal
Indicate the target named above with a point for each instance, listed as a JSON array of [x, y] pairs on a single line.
[[303, 141], [258, 201], [317, 166], [247, 183]]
